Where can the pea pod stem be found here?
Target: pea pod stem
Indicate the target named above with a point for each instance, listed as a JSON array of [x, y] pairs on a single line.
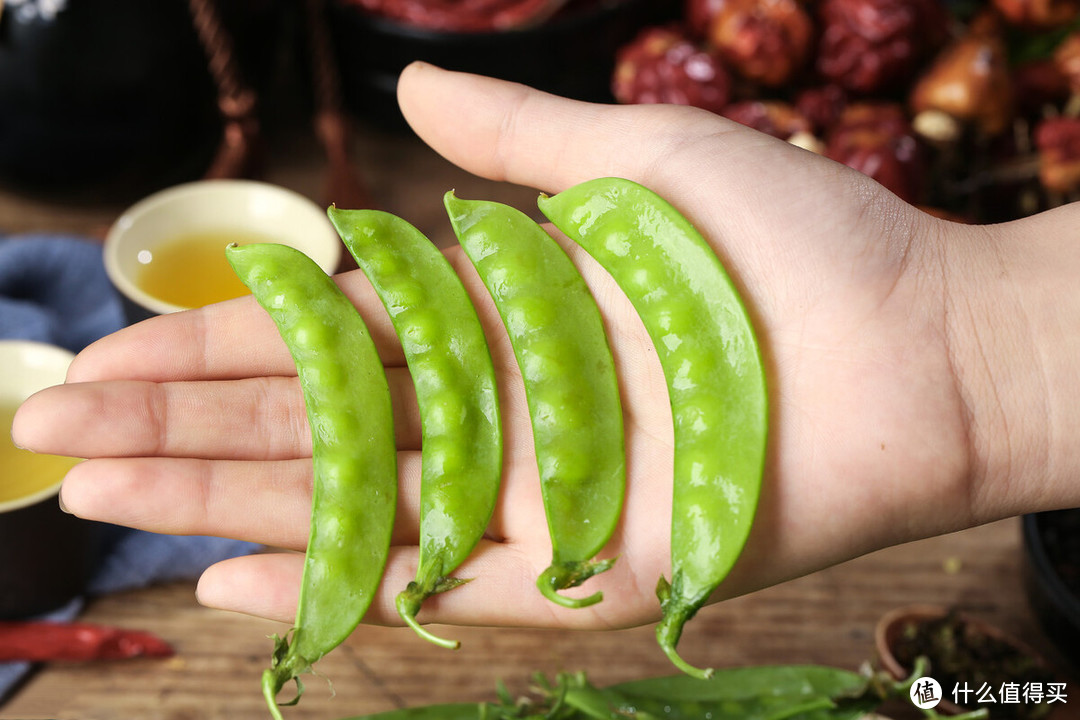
[[712, 365], [571, 574], [408, 603], [451, 368]]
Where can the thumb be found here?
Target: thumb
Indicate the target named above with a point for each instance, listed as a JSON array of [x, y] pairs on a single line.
[[730, 181], [509, 132]]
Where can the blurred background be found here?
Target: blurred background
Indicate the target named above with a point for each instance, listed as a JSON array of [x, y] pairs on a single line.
[[969, 109]]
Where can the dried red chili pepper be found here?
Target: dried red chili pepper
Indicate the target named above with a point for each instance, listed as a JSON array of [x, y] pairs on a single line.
[[766, 41], [771, 117], [1038, 14], [877, 140], [38, 641], [970, 81], [1058, 143], [871, 45], [663, 65]]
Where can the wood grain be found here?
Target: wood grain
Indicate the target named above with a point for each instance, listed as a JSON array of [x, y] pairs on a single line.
[[825, 618]]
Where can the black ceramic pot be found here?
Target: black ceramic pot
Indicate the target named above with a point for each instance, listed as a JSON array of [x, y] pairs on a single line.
[[101, 92], [47, 558], [572, 54], [1052, 576]]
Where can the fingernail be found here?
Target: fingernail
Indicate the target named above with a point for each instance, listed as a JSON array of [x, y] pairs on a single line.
[[60, 499]]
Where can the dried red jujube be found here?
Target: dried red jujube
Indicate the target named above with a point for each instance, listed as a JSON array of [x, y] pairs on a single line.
[[766, 41], [1038, 14], [871, 45], [970, 81], [771, 117], [877, 140], [1058, 143], [663, 65]]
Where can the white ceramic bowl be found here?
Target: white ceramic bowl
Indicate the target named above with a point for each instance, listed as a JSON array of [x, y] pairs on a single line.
[[245, 206], [25, 368], [46, 555]]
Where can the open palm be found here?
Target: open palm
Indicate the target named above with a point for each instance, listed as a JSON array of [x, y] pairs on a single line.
[[194, 422]]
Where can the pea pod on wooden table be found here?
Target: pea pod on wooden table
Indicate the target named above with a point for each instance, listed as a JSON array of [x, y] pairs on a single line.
[[571, 388], [451, 368], [354, 456], [770, 692], [712, 365]]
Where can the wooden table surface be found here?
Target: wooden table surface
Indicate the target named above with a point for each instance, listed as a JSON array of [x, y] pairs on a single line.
[[826, 618]]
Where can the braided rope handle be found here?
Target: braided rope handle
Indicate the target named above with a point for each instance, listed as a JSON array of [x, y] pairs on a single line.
[[342, 187], [236, 101], [237, 104]]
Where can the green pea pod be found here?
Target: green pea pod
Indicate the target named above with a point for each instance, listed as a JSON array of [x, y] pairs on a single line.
[[806, 692], [570, 383], [765, 692], [353, 452], [751, 681], [451, 368], [714, 372], [449, 711]]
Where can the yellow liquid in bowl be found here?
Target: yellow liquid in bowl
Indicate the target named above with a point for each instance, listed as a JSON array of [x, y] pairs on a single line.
[[22, 472], [191, 270]]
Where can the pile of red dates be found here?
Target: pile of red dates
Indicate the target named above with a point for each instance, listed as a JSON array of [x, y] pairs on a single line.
[[969, 109]]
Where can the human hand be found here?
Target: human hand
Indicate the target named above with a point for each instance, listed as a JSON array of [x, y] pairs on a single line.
[[194, 423]]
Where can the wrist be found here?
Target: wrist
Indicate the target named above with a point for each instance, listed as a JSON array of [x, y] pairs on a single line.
[[1013, 322]]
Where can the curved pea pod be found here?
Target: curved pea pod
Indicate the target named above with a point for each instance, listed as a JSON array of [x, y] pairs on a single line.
[[572, 391], [354, 456], [451, 368], [714, 372]]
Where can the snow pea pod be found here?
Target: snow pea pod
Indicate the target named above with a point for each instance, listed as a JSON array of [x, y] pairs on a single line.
[[807, 692], [792, 681], [763, 692], [354, 456], [451, 368], [571, 388], [713, 369]]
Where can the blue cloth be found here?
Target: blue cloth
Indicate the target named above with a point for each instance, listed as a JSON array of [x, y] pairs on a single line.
[[54, 289]]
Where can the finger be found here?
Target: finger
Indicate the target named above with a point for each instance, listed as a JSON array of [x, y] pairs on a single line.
[[261, 418], [501, 591], [714, 170], [261, 501], [514, 133], [232, 339]]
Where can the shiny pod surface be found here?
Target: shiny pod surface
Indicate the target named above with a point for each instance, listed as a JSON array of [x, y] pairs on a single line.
[[714, 372], [451, 368], [571, 387], [354, 455]]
